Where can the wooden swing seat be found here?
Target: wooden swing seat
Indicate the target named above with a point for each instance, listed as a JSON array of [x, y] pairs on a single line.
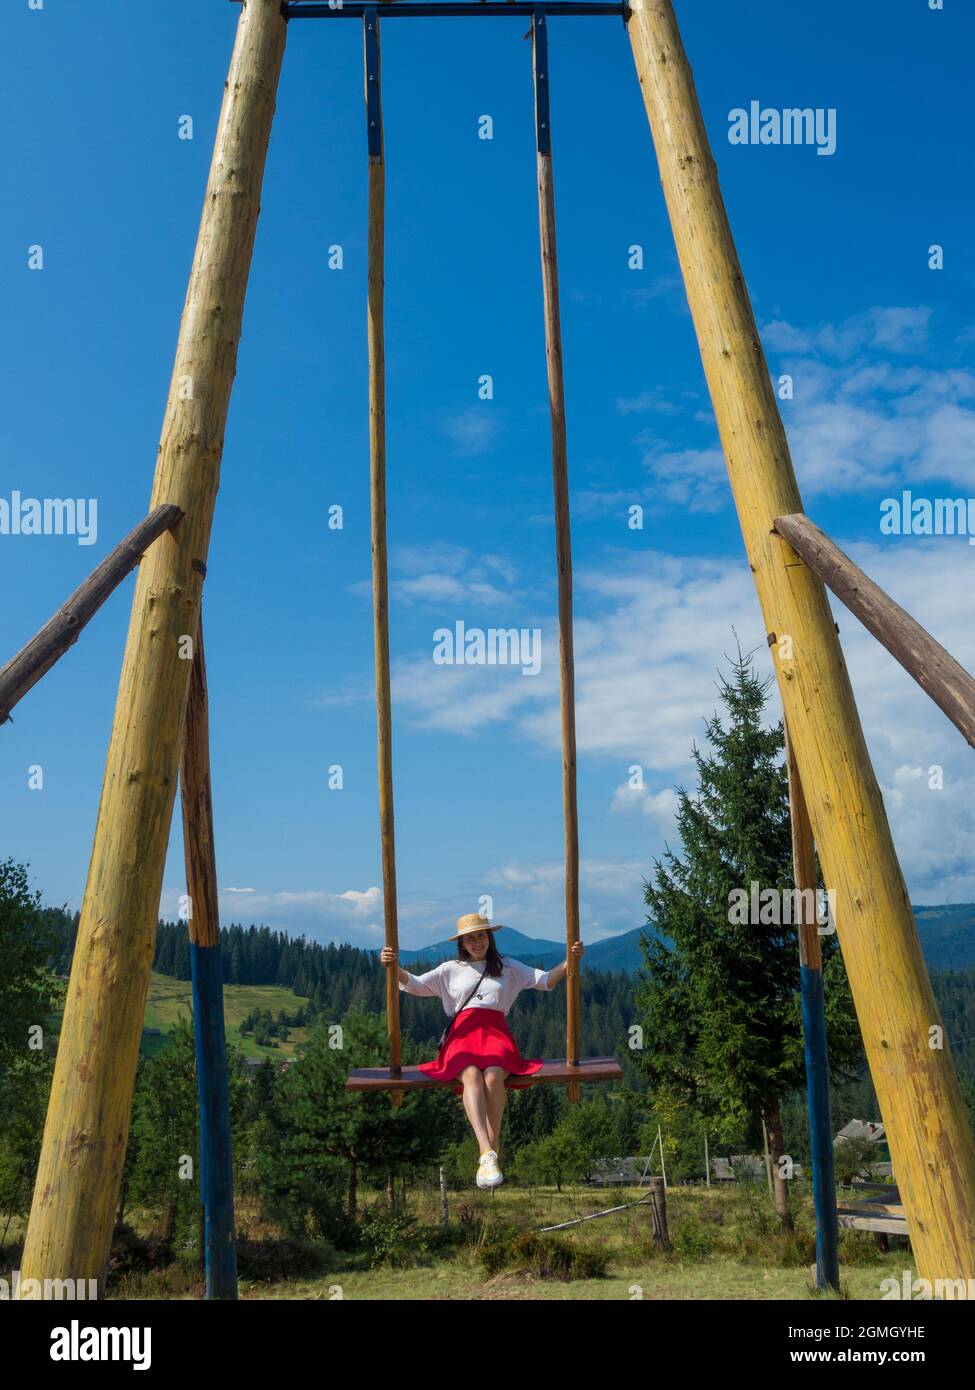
[[556, 1073]]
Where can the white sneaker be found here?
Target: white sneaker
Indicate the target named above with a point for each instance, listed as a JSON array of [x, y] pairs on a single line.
[[488, 1172]]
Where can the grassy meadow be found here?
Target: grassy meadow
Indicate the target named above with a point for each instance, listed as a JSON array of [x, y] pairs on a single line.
[[724, 1246], [169, 998]]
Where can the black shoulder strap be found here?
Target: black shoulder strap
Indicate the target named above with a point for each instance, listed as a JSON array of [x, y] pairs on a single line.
[[480, 981]]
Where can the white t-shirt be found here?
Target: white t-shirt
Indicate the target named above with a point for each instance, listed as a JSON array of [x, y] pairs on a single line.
[[453, 980]]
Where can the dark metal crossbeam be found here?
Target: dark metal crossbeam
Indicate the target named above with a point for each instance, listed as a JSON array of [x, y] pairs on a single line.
[[449, 9], [543, 128], [374, 117]]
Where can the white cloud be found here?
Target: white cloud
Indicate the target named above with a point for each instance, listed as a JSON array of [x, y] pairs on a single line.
[[885, 329], [659, 807], [695, 479], [592, 503], [864, 419], [434, 589], [473, 431], [446, 558], [866, 428], [663, 287], [353, 915], [531, 897], [441, 573], [650, 634], [906, 733], [527, 897], [651, 401], [649, 637]]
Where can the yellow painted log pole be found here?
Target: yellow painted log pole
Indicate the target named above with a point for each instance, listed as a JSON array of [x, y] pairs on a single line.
[[76, 1191], [376, 250], [915, 1079], [563, 536]]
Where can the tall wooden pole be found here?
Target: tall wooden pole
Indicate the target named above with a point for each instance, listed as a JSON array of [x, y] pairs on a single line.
[[563, 538], [377, 497], [814, 1040], [216, 1162], [75, 1196], [915, 1081]]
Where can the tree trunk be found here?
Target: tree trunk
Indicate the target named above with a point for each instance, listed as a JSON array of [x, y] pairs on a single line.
[[353, 1187], [780, 1183]]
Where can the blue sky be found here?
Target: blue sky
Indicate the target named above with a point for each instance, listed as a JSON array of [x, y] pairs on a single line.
[[835, 250]]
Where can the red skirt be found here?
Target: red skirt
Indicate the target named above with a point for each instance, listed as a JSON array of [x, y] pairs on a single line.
[[480, 1038]]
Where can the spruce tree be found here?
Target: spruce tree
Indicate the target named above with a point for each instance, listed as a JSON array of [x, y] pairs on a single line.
[[720, 997]]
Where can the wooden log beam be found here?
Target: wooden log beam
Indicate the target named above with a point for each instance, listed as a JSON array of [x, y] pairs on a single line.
[[658, 1210], [376, 336], [196, 798], [213, 1095], [936, 671], [563, 535], [59, 633], [887, 1225], [930, 1139], [76, 1191]]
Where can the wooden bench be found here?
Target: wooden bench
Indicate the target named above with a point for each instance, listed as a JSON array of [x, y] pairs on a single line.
[[876, 1214]]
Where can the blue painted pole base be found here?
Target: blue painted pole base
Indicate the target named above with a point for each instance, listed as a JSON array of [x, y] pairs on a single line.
[[216, 1166], [820, 1128]]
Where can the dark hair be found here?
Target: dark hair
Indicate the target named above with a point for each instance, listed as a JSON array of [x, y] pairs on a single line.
[[492, 959]]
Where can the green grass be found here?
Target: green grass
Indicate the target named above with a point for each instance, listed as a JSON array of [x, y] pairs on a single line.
[[740, 1255]]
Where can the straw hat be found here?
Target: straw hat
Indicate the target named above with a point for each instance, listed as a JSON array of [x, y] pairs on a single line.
[[472, 922]]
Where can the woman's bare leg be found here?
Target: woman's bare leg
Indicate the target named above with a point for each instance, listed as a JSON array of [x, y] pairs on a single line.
[[494, 1079], [475, 1106]]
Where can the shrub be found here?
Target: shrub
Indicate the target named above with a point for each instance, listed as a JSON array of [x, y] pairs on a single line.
[[691, 1240], [785, 1249], [543, 1257], [392, 1236], [132, 1254], [271, 1261], [860, 1248]]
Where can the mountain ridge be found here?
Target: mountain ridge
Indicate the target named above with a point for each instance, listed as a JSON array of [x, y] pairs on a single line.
[[946, 930]]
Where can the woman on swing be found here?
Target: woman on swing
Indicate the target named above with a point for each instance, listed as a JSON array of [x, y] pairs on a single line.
[[478, 1050]]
